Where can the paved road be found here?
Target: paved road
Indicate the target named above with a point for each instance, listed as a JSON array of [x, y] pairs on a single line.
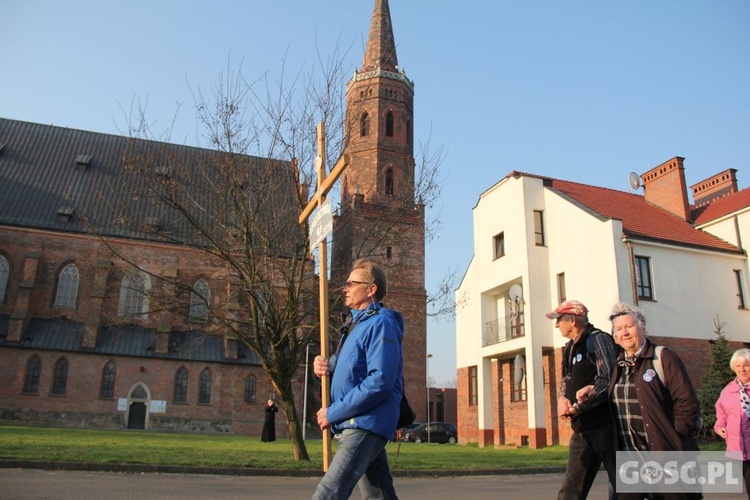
[[34, 484], [69, 485]]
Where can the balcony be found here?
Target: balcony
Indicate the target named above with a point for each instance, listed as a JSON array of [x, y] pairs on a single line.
[[503, 329]]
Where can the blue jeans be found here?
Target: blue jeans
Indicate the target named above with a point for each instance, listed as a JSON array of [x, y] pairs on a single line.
[[360, 458]]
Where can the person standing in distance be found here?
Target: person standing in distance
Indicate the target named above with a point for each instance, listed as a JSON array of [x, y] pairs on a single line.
[[588, 360], [269, 425], [366, 389]]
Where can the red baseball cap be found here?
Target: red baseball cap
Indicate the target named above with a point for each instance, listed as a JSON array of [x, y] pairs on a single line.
[[569, 307]]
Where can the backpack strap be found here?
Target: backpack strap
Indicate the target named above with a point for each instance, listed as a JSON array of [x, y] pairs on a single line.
[[657, 363], [591, 344]]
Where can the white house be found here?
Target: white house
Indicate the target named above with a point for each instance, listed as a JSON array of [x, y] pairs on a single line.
[[539, 241]]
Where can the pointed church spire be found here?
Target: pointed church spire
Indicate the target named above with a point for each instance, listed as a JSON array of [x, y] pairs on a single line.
[[381, 48]]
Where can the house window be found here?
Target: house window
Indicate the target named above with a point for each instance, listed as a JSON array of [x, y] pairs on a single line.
[[180, 386], [498, 244], [519, 382], [4, 273], [107, 389], [539, 228], [67, 287], [561, 294], [740, 293], [250, 383], [643, 281], [364, 124], [204, 392], [388, 252], [389, 182], [200, 298], [60, 379], [134, 295], [389, 124], [33, 371], [473, 390]]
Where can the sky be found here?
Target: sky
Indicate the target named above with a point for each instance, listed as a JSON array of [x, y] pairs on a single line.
[[582, 90]]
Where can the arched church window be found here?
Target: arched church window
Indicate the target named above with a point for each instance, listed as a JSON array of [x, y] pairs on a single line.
[[4, 274], [204, 392], [109, 374], [60, 378], [33, 370], [389, 182], [250, 383], [134, 290], [389, 124], [67, 287], [139, 392], [200, 298], [180, 386], [364, 124]]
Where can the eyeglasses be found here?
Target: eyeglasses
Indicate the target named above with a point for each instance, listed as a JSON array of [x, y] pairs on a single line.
[[350, 284]]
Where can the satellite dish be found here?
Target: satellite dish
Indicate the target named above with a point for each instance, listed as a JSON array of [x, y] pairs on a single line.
[[634, 180], [515, 292], [518, 373]]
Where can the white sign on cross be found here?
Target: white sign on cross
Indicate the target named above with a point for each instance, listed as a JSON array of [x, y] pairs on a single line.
[[321, 224]]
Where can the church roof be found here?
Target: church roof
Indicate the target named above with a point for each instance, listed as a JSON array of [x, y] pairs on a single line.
[[58, 334], [381, 46], [640, 219], [68, 180]]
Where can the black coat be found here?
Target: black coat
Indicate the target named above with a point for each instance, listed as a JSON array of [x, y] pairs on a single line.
[[269, 426]]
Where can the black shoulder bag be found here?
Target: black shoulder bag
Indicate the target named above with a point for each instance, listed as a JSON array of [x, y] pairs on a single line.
[[406, 415]]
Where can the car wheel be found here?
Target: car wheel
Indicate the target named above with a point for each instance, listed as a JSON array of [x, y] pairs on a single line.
[[418, 440], [452, 440]]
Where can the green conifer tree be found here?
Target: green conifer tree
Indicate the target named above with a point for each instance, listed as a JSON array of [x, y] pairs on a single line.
[[717, 376]]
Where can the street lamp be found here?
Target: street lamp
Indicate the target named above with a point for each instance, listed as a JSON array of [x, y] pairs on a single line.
[[304, 405], [428, 397]]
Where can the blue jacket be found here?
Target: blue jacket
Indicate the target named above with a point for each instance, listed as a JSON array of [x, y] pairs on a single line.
[[367, 380]]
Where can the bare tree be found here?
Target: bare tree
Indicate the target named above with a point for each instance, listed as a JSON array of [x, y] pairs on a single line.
[[237, 202]]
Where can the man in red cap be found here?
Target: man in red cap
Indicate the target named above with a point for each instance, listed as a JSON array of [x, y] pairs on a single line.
[[588, 359]]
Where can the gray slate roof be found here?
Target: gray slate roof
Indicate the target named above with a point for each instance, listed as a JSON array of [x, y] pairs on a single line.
[[48, 172], [126, 340]]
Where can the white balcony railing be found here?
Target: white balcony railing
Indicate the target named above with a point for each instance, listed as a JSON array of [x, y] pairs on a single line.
[[503, 329]]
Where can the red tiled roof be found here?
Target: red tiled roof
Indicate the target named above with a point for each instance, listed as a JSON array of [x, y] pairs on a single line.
[[723, 206], [640, 219]]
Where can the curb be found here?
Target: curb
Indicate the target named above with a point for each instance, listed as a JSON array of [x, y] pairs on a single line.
[[242, 471]]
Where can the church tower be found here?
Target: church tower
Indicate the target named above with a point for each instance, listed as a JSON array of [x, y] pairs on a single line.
[[380, 216]]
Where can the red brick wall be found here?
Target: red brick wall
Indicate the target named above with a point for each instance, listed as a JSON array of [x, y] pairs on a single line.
[[31, 292], [468, 428]]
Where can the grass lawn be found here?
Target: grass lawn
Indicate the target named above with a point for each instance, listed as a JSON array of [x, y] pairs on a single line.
[[154, 448], [138, 447]]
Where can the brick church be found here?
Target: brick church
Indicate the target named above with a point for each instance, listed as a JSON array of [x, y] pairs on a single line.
[[89, 334]]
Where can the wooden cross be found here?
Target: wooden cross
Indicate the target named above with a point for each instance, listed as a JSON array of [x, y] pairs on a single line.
[[325, 183]]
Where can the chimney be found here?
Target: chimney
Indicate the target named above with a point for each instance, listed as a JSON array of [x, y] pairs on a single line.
[[721, 184], [665, 187]]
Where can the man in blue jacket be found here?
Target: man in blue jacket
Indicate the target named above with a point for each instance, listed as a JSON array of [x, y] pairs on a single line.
[[366, 389]]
